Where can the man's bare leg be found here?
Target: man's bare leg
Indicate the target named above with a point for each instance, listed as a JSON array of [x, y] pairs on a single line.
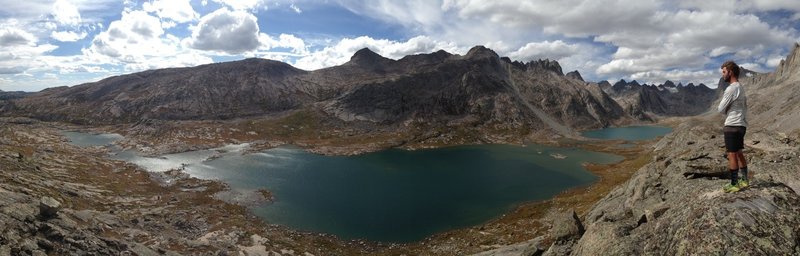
[[733, 167], [733, 160], [742, 164]]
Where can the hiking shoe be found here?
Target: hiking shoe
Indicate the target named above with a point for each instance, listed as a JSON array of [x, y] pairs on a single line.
[[730, 188], [742, 184]]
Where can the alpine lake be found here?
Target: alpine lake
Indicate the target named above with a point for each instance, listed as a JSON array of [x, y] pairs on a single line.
[[392, 195]]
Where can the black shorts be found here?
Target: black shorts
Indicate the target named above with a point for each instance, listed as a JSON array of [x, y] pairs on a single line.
[[734, 137]]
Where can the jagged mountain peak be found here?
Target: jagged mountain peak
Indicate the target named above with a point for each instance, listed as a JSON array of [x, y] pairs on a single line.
[[441, 53], [546, 64], [575, 75], [480, 51], [365, 53], [791, 64], [621, 84], [368, 58], [793, 55]]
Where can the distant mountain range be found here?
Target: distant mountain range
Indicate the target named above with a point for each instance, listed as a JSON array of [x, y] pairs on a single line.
[[478, 89], [644, 101], [13, 95]]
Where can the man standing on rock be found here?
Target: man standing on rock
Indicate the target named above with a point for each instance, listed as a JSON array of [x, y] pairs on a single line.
[[734, 106]]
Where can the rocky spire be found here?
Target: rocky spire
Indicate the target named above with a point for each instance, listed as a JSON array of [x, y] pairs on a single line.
[[575, 75], [546, 64], [480, 51], [790, 64]]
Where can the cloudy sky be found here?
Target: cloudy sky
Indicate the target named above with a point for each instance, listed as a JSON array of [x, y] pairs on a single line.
[[68, 42]]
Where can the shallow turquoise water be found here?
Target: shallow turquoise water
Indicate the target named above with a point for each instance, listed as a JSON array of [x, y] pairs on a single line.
[[392, 195], [87, 140]]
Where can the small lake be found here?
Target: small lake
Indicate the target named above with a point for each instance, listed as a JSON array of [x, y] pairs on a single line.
[[628, 133], [392, 195], [87, 140]]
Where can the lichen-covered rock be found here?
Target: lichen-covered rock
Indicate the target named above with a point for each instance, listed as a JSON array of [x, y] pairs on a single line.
[[567, 226], [48, 207]]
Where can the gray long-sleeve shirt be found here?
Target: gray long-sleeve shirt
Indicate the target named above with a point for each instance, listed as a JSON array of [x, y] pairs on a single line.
[[735, 103]]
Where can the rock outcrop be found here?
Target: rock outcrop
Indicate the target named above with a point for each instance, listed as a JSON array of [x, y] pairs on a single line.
[[49, 207], [575, 75], [675, 205]]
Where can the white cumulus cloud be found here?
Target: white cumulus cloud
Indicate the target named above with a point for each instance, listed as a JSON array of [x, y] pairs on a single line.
[[19, 50], [180, 11], [642, 36], [66, 13], [243, 4], [137, 41], [135, 35], [344, 49], [231, 32], [68, 36], [13, 36], [295, 44], [554, 50]]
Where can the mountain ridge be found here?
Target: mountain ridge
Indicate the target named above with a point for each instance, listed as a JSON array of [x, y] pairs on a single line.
[[431, 89]]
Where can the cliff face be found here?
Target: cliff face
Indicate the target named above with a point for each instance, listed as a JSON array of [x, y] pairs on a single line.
[[774, 99], [479, 87]]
